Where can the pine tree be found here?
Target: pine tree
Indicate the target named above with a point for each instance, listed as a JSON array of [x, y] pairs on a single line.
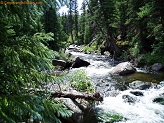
[[76, 18], [24, 57]]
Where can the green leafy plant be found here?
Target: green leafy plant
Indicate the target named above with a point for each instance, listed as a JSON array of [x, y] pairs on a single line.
[[81, 82]]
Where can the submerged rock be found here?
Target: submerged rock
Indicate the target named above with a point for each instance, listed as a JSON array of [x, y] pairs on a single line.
[[124, 68], [140, 85]]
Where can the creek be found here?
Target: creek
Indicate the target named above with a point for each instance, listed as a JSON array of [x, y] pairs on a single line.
[[114, 87]]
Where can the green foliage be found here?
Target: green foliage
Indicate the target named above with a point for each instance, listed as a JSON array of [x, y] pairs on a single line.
[[135, 50], [26, 108], [158, 48], [87, 49], [155, 56], [24, 62], [81, 82], [20, 66], [108, 117], [87, 34], [52, 23]]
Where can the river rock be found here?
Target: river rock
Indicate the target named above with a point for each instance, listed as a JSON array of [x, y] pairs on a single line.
[[128, 99], [80, 63], [124, 68], [137, 93], [140, 85], [159, 99], [157, 67]]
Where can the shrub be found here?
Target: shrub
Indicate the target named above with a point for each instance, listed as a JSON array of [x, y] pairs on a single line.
[[81, 82]]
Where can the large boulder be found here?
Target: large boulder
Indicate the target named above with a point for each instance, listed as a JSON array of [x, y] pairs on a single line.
[[157, 67], [80, 63], [124, 68]]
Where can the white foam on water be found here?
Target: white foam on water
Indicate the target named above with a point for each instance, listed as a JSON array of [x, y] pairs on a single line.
[[144, 110]]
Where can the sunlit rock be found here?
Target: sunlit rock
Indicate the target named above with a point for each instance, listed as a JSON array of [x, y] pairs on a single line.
[[124, 68]]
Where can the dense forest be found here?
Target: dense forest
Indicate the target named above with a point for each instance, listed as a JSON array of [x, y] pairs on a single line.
[[31, 35]]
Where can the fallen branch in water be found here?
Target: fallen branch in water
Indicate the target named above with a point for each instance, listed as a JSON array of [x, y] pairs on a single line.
[[95, 96]]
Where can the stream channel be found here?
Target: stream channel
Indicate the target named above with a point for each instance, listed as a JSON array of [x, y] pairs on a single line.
[[114, 88]]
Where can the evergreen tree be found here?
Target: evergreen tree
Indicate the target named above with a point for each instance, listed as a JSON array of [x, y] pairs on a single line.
[[23, 58], [76, 18], [81, 23], [71, 21], [52, 24]]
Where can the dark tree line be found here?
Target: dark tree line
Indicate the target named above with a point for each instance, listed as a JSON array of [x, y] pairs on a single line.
[[127, 28]]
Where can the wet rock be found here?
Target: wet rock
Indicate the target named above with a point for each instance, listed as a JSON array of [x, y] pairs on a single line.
[[124, 68], [159, 100], [137, 93], [128, 99], [80, 63], [140, 85], [157, 67]]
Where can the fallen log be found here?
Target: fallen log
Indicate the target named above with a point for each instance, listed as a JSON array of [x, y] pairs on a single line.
[[95, 96], [54, 94]]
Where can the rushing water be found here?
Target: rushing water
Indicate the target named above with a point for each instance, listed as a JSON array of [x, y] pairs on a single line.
[[143, 109]]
